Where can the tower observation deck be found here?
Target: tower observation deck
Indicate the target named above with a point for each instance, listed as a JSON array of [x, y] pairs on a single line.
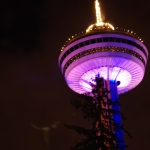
[[116, 54]]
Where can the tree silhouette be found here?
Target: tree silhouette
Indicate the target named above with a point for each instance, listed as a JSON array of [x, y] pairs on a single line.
[[106, 132]]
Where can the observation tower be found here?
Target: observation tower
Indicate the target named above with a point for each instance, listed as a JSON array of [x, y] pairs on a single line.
[[118, 55]]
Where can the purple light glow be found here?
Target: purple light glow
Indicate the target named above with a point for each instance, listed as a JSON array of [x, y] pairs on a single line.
[[114, 73], [80, 75], [122, 61]]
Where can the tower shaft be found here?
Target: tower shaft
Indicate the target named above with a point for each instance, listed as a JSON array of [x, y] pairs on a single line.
[[108, 125]]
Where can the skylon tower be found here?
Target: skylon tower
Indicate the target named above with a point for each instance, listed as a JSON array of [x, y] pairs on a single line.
[[117, 55]]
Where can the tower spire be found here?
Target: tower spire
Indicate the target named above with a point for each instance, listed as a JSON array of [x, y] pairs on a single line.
[[99, 21], [98, 13]]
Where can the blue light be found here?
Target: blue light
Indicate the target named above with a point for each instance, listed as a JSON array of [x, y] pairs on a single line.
[[117, 116]]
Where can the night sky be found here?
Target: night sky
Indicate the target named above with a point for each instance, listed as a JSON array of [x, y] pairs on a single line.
[[34, 98]]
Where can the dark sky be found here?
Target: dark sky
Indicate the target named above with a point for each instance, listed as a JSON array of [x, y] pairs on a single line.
[[33, 93]]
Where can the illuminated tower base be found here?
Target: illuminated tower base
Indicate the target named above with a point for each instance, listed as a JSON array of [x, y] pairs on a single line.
[[117, 117], [109, 125]]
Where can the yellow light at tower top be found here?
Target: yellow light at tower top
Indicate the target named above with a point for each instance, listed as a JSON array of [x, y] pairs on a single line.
[[99, 20], [98, 13], [100, 26]]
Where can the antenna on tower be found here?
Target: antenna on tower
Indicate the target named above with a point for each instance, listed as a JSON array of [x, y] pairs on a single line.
[[98, 13], [99, 20]]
